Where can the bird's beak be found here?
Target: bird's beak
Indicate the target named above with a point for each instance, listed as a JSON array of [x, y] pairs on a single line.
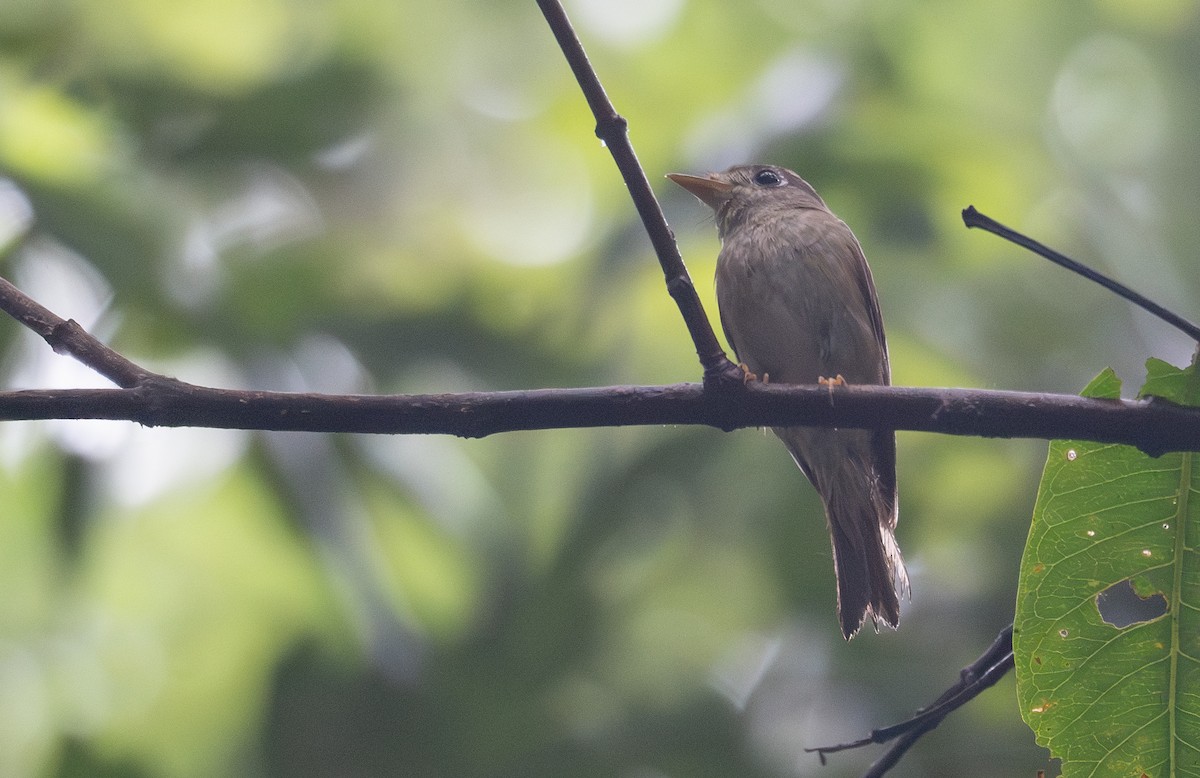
[[713, 192]]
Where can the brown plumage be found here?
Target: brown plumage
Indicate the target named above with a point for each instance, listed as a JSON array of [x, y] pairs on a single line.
[[798, 303]]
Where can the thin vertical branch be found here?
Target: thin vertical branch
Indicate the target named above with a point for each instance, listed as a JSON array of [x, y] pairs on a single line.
[[612, 128]]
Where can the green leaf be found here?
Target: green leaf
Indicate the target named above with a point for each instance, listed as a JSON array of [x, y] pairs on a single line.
[[1107, 631], [1106, 385], [1170, 383]]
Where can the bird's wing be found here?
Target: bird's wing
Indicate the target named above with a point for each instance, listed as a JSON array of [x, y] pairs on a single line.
[[867, 286], [883, 443]]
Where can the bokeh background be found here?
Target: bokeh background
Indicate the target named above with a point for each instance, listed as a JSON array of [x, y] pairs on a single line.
[[393, 196]]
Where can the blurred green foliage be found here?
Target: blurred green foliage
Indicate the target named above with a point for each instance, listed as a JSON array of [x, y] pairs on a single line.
[[371, 195]]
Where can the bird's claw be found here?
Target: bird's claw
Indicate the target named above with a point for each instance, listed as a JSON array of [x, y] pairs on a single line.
[[837, 380], [747, 375]]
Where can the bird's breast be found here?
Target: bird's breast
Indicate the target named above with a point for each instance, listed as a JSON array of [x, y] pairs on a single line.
[[788, 305]]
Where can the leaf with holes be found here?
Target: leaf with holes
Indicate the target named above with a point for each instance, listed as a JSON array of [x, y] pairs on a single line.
[[1107, 630]]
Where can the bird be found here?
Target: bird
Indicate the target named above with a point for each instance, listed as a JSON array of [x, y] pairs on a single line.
[[798, 306]]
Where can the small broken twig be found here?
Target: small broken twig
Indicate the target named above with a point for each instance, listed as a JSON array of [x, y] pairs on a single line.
[[981, 674]]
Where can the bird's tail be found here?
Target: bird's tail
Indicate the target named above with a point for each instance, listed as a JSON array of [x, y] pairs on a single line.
[[861, 512], [866, 559]]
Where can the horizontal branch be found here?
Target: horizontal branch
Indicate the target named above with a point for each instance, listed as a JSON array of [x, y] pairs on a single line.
[[1152, 425]]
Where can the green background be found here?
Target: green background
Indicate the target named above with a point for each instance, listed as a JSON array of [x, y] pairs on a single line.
[[384, 196]]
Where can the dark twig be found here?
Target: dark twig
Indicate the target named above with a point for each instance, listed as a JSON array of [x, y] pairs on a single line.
[[65, 336], [612, 128], [973, 218], [981, 674], [989, 677]]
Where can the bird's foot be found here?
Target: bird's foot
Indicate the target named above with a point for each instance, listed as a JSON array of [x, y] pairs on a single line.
[[832, 382], [748, 376]]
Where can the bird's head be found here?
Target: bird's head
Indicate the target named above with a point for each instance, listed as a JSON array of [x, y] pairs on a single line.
[[743, 190]]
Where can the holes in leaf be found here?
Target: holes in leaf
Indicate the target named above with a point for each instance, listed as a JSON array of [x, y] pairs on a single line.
[[1121, 606]]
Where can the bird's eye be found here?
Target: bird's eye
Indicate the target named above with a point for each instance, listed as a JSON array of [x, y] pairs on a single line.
[[768, 178]]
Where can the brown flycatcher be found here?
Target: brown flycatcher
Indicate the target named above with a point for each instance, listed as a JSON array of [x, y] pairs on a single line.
[[798, 306]]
